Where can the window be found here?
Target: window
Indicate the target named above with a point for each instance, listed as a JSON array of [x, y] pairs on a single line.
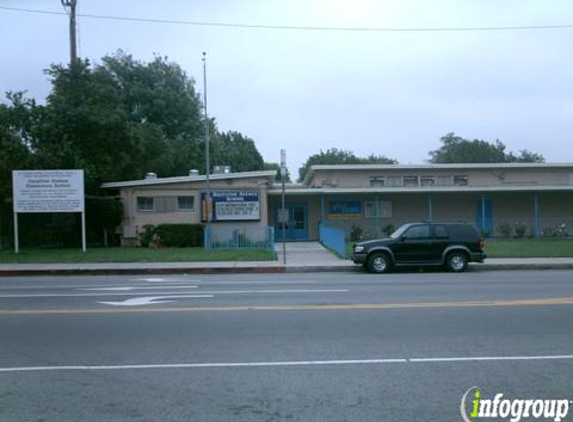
[[460, 180], [394, 181], [427, 180], [145, 203], [418, 232], [377, 182], [410, 181], [370, 209], [441, 232], [383, 210], [444, 181], [165, 204], [185, 203]]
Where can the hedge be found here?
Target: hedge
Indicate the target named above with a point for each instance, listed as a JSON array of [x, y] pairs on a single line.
[[173, 235]]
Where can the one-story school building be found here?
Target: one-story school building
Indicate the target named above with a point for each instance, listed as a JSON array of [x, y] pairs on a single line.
[[528, 198]]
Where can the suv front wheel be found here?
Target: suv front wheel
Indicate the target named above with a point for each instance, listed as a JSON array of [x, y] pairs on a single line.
[[457, 262], [378, 263]]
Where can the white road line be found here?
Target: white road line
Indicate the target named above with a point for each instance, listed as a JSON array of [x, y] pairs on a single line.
[[153, 300], [277, 364], [85, 286], [489, 358], [129, 288], [223, 292]]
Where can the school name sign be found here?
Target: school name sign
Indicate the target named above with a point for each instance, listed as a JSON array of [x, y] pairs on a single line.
[[37, 191]]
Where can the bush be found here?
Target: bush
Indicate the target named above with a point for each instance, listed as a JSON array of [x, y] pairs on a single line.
[[146, 236], [505, 230], [520, 229], [356, 233], [179, 235], [388, 229]]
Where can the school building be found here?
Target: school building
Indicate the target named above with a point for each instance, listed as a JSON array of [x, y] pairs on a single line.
[[528, 199]]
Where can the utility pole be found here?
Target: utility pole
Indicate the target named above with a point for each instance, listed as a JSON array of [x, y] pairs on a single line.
[[207, 163], [70, 8]]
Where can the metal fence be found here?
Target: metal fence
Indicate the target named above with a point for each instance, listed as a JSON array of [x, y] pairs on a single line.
[[332, 238], [249, 237]]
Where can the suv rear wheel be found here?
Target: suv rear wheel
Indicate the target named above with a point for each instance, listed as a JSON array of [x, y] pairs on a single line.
[[378, 263], [457, 262]]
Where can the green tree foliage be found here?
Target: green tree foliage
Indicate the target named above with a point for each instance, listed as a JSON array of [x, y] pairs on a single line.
[[339, 156], [116, 120], [16, 125], [456, 149], [237, 151], [277, 168]]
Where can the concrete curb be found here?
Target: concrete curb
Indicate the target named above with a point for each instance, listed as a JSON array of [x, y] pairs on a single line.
[[270, 269]]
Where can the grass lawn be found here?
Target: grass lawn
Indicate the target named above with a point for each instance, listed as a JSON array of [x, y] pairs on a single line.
[[529, 248], [43, 256], [521, 248]]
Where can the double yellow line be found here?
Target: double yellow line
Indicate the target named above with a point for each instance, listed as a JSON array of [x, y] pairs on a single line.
[[275, 308]]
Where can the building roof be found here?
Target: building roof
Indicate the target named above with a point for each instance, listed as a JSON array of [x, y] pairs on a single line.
[[270, 174], [378, 167]]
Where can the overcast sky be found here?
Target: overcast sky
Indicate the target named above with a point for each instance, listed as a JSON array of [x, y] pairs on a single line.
[[390, 93]]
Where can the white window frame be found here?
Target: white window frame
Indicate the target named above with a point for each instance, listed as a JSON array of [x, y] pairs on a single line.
[[404, 178], [460, 177], [380, 209], [377, 181], [431, 179], [191, 209], [141, 209]]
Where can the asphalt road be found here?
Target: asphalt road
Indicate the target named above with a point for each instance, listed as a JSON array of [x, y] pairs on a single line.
[[281, 347]]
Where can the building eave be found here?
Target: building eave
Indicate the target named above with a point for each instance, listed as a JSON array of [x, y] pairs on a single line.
[[269, 174], [427, 190]]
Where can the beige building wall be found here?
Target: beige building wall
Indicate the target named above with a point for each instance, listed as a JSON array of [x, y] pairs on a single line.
[[134, 220], [484, 177]]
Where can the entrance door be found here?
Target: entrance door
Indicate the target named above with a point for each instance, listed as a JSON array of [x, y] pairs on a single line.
[[295, 222], [484, 221]]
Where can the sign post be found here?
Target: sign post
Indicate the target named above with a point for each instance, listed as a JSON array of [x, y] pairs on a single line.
[[48, 191], [284, 217]]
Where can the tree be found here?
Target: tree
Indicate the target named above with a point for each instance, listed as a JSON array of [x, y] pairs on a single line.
[[339, 156], [237, 151], [277, 168], [17, 121], [118, 120], [456, 149]]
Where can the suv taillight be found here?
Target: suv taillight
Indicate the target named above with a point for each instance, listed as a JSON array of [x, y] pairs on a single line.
[[481, 245]]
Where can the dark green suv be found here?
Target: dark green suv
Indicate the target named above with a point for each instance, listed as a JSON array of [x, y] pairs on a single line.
[[452, 245]]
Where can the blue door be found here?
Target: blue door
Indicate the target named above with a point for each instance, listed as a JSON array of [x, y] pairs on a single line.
[[294, 221], [484, 221]]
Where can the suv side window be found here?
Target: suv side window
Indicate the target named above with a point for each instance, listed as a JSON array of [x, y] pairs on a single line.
[[440, 232], [418, 232], [463, 232]]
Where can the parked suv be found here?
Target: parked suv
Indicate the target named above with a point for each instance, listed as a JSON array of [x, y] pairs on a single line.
[[452, 245]]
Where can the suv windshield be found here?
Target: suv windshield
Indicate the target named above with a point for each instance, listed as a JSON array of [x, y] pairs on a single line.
[[400, 231]]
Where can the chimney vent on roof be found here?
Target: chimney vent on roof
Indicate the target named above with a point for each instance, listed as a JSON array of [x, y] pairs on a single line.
[[150, 175], [193, 172]]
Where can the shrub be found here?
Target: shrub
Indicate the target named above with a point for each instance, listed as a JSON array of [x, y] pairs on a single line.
[[388, 229], [356, 233], [146, 236], [505, 230], [180, 235], [520, 229]]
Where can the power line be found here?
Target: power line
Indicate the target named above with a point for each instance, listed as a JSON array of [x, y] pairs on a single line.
[[299, 28]]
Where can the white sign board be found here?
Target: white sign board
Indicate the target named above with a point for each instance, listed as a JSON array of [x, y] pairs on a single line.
[[38, 191]]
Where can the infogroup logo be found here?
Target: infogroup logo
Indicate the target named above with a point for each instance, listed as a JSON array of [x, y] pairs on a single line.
[[475, 407]]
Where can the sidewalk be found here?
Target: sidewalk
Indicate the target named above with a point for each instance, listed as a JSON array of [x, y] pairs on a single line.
[[301, 257]]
